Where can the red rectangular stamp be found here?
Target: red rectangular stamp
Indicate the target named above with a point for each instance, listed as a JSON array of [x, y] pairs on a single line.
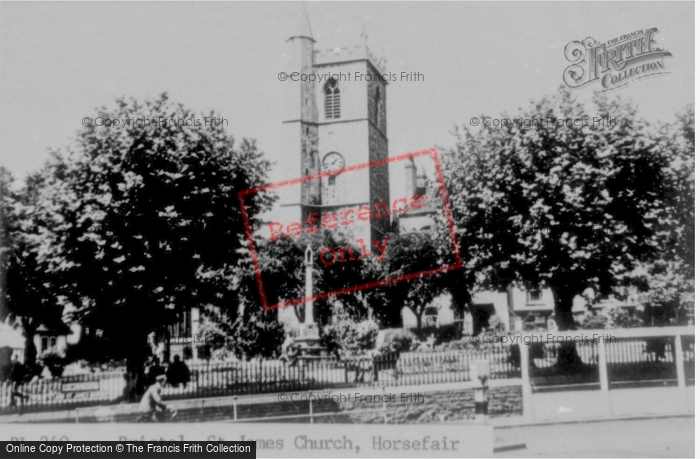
[[339, 212]]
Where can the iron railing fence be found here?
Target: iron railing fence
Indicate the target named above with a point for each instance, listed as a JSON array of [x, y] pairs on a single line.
[[217, 379], [637, 358]]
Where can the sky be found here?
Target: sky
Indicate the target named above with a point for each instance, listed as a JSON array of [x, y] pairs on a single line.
[[59, 61]]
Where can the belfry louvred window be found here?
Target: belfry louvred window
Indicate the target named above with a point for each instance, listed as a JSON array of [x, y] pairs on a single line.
[[332, 98]]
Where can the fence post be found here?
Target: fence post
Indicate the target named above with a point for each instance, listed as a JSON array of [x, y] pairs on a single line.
[[235, 408], [482, 371], [311, 408], [603, 375], [525, 376], [680, 366], [602, 366], [196, 381], [384, 403]]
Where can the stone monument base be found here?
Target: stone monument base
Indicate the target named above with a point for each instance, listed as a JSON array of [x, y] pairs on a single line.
[[309, 341]]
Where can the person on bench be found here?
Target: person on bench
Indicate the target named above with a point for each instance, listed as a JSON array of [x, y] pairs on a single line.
[[291, 355]]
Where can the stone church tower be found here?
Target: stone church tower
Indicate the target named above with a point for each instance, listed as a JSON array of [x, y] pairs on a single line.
[[335, 117]]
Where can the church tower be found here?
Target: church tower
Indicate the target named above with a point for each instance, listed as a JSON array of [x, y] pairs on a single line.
[[335, 118]]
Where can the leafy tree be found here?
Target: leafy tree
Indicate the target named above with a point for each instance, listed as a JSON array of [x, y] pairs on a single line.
[[283, 273], [410, 254], [385, 301], [669, 282], [558, 203], [144, 221], [281, 264], [397, 340], [681, 199], [215, 331], [350, 336], [24, 293], [257, 334]]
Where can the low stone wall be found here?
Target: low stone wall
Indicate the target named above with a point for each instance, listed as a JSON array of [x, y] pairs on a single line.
[[428, 407], [354, 405]]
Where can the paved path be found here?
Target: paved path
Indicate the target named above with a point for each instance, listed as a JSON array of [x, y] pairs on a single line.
[[665, 437]]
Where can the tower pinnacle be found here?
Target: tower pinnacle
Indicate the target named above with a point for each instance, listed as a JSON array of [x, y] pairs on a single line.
[[302, 28]]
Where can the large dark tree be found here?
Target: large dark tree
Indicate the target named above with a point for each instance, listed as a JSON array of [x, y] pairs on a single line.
[[681, 152], [21, 280], [556, 202], [26, 297], [416, 258], [144, 221], [669, 282]]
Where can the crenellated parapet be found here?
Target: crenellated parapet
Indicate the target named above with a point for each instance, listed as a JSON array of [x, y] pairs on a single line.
[[349, 53]]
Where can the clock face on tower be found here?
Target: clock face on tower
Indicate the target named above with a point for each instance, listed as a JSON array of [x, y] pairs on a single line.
[[333, 161]]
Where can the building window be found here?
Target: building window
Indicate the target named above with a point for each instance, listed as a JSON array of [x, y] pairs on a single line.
[[182, 327], [690, 314], [431, 317], [534, 296], [332, 98], [331, 180], [52, 342], [537, 322], [44, 343]]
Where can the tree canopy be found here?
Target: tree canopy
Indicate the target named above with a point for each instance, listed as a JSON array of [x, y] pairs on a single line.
[[25, 296], [136, 223], [567, 201]]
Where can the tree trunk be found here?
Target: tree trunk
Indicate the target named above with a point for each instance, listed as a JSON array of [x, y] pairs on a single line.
[[139, 351], [419, 317], [567, 357], [166, 336], [30, 351], [563, 306], [397, 320], [391, 318], [461, 298]]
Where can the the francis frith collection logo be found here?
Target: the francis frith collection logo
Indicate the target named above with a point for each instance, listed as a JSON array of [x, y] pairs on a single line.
[[614, 63]]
